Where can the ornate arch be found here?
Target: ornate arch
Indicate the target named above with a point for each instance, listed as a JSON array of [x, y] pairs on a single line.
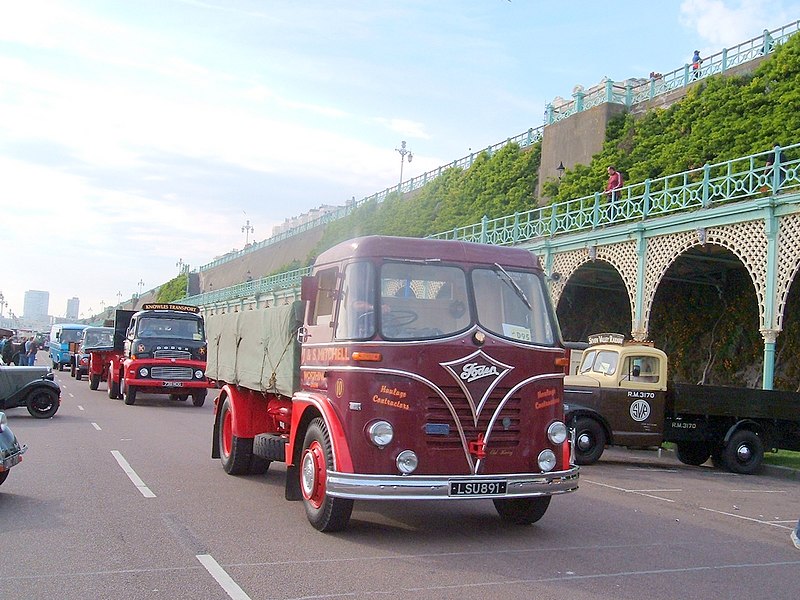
[[788, 263]]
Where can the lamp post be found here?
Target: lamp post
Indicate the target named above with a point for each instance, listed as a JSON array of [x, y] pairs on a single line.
[[560, 168], [140, 284], [403, 152], [2, 303], [180, 265], [119, 298], [247, 229]]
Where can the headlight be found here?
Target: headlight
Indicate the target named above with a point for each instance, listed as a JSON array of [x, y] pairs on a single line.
[[380, 433], [143, 372], [198, 374], [547, 460], [557, 432], [407, 462]]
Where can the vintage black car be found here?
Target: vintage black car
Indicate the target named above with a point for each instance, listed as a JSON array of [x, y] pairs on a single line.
[[10, 450], [31, 387]]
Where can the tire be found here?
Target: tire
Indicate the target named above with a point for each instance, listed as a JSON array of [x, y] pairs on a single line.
[[94, 382], [324, 512], [716, 458], [72, 370], [693, 453], [130, 395], [55, 364], [235, 453], [113, 389], [522, 511], [78, 375], [590, 441], [60, 366], [199, 397], [42, 403], [3, 476], [744, 452]]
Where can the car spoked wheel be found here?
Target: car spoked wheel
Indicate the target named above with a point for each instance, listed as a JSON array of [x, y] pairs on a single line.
[[42, 403]]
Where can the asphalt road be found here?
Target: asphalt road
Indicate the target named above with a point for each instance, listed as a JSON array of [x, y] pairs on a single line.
[[124, 502]]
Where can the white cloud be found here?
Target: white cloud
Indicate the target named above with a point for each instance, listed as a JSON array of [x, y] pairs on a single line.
[[724, 24]]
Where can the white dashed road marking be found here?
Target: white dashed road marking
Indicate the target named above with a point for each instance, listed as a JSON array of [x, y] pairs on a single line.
[[137, 481], [223, 579]]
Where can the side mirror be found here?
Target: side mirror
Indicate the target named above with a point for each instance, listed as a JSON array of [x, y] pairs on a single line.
[[637, 370]]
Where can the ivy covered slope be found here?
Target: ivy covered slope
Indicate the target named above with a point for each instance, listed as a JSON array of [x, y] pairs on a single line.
[[173, 290]]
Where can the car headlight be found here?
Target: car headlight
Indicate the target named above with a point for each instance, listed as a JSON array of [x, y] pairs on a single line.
[[547, 460], [143, 372], [198, 374], [407, 462], [380, 433], [557, 432]]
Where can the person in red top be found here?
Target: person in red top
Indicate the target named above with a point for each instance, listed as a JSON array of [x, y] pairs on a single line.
[[614, 183]]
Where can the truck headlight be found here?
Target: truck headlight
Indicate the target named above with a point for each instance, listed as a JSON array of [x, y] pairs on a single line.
[[143, 372], [198, 374], [557, 432], [380, 433], [547, 460], [407, 462]]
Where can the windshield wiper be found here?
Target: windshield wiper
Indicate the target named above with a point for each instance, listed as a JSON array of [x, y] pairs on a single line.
[[514, 286]]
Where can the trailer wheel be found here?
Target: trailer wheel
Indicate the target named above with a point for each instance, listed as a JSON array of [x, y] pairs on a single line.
[[236, 453], [94, 382], [42, 403], [744, 452], [113, 389], [130, 395], [590, 441], [324, 512], [199, 397], [522, 511], [693, 453]]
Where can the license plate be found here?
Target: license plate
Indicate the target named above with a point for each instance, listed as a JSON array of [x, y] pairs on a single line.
[[477, 488], [173, 384], [12, 461]]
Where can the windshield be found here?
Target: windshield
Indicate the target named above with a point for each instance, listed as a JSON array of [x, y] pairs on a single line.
[[513, 304], [70, 335], [98, 339], [603, 362], [182, 329]]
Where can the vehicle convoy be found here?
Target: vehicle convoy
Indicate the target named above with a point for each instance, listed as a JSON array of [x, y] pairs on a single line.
[[621, 397], [31, 387], [10, 449], [61, 336], [162, 351], [450, 389], [93, 338]]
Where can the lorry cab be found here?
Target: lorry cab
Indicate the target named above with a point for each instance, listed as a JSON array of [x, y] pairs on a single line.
[[61, 336], [617, 396]]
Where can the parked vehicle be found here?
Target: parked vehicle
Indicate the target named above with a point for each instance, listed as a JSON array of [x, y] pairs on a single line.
[[92, 338], [61, 336], [10, 449], [621, 396], [450, 389], [163, 352], [31, 387]]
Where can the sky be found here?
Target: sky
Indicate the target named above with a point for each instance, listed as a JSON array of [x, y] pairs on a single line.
[[137, 136]]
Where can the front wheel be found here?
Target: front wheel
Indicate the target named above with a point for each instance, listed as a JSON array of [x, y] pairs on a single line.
[[590, 441], [522, 511], [236, 453], [113, 389], [130, 395], [72, 370], [42, 403], [94, 382], [693, 453], [744, 452], [324, 512], [199, 397]]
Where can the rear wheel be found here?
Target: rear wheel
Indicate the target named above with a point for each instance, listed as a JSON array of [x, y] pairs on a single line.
[[78, 374], [42, 403], [744, 452], [199, 397], [113, 389], [693, 453], [590, 441], [522, 511], [94, 382], [130, 395], [72, 369], [324, 512], [236, 454]]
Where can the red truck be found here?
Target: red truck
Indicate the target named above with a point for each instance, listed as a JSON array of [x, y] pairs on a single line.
[[160, 349], [410, 369]]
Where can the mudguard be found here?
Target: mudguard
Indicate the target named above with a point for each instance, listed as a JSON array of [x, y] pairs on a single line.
[[19, 397], [573, 410], [302, 403]]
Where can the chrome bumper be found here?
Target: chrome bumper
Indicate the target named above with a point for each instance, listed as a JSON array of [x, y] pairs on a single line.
[[13, 459], [437, 487]]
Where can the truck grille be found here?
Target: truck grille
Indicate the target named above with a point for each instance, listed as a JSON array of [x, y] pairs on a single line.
[[181, 373], [182, 354], [506, 430]]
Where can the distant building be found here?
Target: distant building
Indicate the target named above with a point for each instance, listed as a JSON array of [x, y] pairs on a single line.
[[36, 306], [73, 308], [313, 214]]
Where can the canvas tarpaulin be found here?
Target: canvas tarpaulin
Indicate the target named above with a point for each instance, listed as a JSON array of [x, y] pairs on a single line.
[[256, 349]]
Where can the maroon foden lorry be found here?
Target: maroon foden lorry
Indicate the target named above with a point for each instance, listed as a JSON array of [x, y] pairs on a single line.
[[410, 369]]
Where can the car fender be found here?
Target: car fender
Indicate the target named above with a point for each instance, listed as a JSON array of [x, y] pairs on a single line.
[[20, 397], [573, 410]]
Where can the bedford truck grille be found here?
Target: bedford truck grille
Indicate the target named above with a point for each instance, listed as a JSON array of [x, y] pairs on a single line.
[[506, 430], [184, 373], [182, 354]]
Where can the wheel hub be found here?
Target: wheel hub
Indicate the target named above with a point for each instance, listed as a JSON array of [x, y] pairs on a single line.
[[312, 474], [584, 441], [743, 453]]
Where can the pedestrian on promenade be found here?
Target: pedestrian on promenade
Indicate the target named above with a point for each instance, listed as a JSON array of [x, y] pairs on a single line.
[[614, 183], [696, 62]]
